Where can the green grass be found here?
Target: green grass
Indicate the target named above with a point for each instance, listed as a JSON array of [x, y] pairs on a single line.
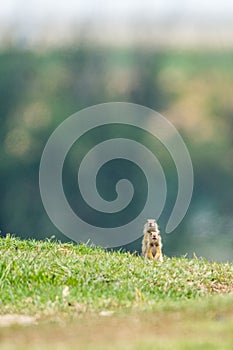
[[191, 299]]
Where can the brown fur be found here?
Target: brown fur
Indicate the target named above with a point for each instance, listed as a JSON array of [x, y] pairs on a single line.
[[152, 242]]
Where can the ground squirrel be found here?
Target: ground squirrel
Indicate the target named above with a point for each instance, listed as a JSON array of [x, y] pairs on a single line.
[[152, 243]]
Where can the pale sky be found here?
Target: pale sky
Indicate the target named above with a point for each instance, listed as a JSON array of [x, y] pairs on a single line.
[[189, 20], [40, 10]]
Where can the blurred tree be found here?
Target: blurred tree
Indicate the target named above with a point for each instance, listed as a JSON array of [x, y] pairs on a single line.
[[38, 90]]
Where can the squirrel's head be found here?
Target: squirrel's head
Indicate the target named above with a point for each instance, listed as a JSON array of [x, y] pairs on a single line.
[[151, 225], [155, 237]]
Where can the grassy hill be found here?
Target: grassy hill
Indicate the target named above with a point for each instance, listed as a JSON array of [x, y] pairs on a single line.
[[99, 298]]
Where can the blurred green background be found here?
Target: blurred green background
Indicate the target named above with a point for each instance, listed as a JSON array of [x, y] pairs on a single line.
[[47, 75]]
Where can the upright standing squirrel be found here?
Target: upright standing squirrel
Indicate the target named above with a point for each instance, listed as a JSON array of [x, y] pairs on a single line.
[[152, 242]]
